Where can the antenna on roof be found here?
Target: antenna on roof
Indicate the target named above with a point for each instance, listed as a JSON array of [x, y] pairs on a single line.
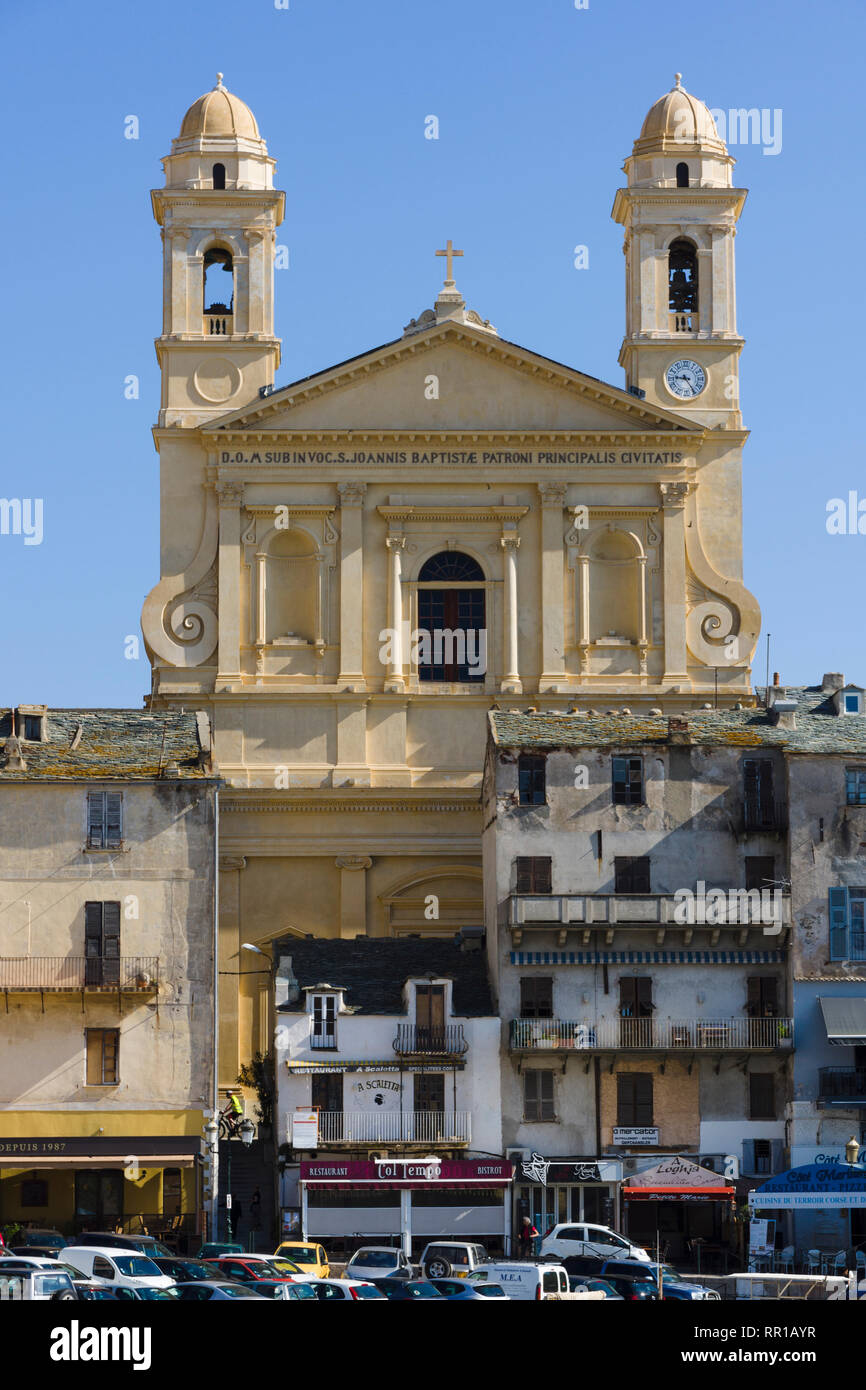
[[767, 682]]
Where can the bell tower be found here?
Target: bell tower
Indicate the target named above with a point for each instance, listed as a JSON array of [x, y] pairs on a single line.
[[679, 211], [218, 211]]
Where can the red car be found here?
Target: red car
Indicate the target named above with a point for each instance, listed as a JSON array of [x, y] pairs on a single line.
[[250, 1268]]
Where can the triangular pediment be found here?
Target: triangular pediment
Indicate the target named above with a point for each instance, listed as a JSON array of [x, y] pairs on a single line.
[[453, 379]]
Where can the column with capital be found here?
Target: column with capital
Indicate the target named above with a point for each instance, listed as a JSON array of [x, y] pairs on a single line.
[[177, 316], [395, 680], [353, 893], [255, 239], [723, 279], [510, 542], [231, 499], [351, 675], [230, 936], [673, 500], [552, 587]]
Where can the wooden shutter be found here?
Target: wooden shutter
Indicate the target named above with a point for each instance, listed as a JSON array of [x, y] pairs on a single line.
[[536, 996], [546, 1095], [753, 996], [643, 1098], [839, 909], [762, 1096], [95, 819], [627, 996], [542, 875], [538, 1095], [110, 1049], [93, 1041], [524, 876], [113, 829], [111, 943], [93, 944], [640, 876]]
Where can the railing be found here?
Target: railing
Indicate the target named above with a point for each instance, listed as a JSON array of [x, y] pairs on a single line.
[[636, 909], [684, 323], [323, 1040], [652, 1035], [447, 1041], [394, 1127], [841, 1086], [218, 325], [763, 813], [127, 973]]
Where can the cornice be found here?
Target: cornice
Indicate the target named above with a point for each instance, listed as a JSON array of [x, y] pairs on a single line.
[[216, 439], [408, 512], [350, 804]]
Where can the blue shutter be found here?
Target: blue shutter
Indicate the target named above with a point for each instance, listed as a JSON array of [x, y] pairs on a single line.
[[748, 1156], [838, 923], [776, 1148]]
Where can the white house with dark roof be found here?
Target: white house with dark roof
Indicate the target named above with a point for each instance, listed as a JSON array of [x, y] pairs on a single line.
[[387, 1100]]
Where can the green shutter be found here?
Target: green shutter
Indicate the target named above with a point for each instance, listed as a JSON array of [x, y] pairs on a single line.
[[839, 911]]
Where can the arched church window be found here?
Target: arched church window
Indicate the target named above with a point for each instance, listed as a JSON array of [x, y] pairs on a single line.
[[452, 634], [683, 285], [218, 293], [682, 175], [219, 176]]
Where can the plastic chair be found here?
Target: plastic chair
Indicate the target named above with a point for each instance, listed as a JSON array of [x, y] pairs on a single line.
[[861, 1263], [837, 1264], [813, 1261], [785, 1260]]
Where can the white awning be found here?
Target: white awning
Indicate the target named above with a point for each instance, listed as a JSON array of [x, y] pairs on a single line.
[[844, 1020]]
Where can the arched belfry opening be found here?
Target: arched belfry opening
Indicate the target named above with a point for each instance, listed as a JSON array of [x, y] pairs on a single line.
[[682, 175], [452, 643], [219, 176], [683, 285], [218, 292]]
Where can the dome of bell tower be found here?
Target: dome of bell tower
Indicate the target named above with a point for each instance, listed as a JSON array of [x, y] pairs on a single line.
[[219, 114]]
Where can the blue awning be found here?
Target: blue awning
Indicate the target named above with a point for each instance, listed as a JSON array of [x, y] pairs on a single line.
[[815, 1186], [845, 1020]]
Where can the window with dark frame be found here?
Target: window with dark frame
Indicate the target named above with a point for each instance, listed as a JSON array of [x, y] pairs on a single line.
[[763, 1156], [760, 872], [456, 614], [536, 996], [430, 1092], [627, 775], [762, 1095], [759, 804], [634, 1099], [631, 874], [532, 779], [762, 996], [855, 786], [104, 820], [533, 875], [323, 1032], [101, 944], [33, 728], [538, 1095], [102, 1048]]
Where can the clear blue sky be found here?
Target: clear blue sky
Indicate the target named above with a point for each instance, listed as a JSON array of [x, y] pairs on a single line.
[[538, 105]]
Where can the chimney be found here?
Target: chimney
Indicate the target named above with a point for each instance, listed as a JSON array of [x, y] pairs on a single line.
[[678, 729], [832, 680], [775, 677], [14, 757], [783, 712]]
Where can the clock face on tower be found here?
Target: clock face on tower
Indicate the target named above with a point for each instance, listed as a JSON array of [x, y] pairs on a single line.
[[685, 378]]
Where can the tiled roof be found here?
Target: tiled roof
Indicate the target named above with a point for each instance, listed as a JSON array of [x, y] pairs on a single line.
[[122, 744], [373, 971], [818, 729]]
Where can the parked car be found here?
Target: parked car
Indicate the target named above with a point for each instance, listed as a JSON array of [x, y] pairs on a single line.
[[576, 1282], [250, 1268], [635, 1284], [345, 1290], [462, 1291], [110, 1265], [581, 1238], [442, 1259], [216, 1290], [32, 1284], [524, 1279], [674, 1284], [404, 1290], [212, 1248], [311, 1257], [285, 1290], [148, 1295], [89, 1292], [181, 1270], [41, 1241], [145, 1245], [379, 1262]]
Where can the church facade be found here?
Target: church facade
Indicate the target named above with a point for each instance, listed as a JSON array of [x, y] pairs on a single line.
[[358, 566]]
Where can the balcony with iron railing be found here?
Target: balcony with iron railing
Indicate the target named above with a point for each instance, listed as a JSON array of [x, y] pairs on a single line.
[[447, 1040], [763, 814], [74, 974], [842, 1086], [708, 1035], [447, 1127], [743, 911]]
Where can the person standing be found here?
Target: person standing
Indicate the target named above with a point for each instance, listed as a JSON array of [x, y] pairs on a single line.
[[527, 1238]]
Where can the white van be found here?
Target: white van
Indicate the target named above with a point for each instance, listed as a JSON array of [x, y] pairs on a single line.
[[581, 1238], [104, 1264], [523, 1281]]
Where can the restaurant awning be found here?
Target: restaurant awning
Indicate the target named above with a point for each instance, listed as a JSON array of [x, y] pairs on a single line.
[[844, 1020], [365, 1064], [99, 1161], [813, 1186]]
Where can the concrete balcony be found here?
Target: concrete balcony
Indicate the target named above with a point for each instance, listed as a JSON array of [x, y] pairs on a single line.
[[375, 1127], [691, 1035], [79, 974], [218, 323], [413, 1040], [583, 914]]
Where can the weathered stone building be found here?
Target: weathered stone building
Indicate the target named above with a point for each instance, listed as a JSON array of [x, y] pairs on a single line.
[[107, 878]]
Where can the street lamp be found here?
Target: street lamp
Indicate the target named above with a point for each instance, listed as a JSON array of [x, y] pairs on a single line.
[[852, 1149]]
